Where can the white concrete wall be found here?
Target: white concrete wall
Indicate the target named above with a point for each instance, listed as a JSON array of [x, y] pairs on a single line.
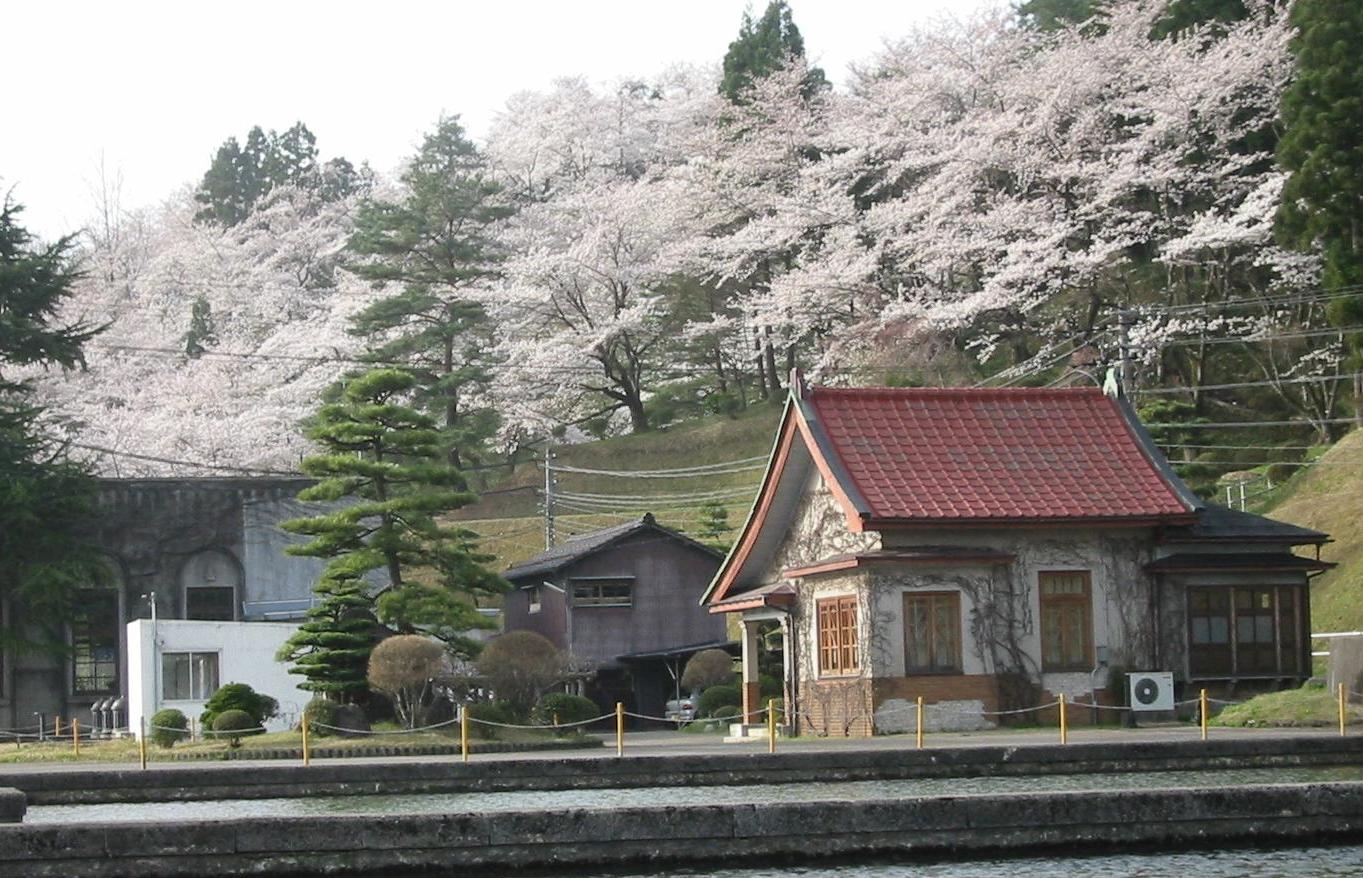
[[245, 651]]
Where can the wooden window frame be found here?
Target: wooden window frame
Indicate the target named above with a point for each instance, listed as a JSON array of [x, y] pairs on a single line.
[[837, 636], [1293, 593], [1084, 602], [933, 598], [77, 628], [598, 583]]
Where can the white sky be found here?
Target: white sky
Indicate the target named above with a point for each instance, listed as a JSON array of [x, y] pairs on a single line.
[[152, 88]]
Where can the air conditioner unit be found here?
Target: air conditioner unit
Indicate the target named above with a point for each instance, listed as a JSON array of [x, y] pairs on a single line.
[[1152, 690]]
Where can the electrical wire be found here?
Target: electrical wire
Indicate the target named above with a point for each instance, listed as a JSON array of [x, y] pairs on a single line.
[[1239, 384]]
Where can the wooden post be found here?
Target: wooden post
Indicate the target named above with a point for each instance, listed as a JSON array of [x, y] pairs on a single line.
[[1343, 708], [464, 731], [142, 744], [771, 725], [619, 729], [75, 737], [57, 727], [307, 749], [1202, 711], [920, 722], [1064, 729]]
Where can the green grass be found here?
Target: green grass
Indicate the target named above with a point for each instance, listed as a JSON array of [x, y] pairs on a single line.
[[1307, 706], [1329, 497]]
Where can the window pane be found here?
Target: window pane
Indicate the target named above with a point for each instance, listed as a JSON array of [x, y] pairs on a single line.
[[212, 603], [94, 642]]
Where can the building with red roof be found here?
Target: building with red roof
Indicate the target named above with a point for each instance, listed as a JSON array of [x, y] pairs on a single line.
[[989, 550]]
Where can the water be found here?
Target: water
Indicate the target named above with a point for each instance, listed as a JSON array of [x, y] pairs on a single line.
[[445, 803]]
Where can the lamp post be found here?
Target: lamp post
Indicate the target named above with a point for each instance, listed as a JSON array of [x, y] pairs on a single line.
[[155, 699]]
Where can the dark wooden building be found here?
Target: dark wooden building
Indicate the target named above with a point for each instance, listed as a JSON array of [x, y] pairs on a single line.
[[623, 602]]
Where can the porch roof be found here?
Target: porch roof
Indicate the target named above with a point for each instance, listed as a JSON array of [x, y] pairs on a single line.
[[774, 594], [1217, 523]]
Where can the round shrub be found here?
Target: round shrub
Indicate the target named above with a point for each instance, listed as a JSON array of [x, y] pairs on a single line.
[[238, 696], [167, 727], [321, 714], [491, 712], [351, 718], [568, 709], [233, 725], [715, 696], [730, 712]]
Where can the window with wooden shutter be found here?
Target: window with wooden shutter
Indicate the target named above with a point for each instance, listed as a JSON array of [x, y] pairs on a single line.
[[1066, 621], [837, 619], [932, 632]]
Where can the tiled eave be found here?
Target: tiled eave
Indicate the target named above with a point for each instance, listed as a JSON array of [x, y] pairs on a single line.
[[1277, 562], [934, 555]]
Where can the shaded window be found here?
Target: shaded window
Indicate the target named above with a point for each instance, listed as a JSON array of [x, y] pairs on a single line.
[[1244, 632], [188, 676], [838, 636], [603, 592], [932, 633], [532, 596], [1066, 621], [214, 603], [94, 643]]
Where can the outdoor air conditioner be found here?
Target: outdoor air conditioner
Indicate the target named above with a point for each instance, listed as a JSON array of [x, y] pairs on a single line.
[[1152, 690]]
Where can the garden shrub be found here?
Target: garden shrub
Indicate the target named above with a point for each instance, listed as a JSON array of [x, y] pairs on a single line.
[[167, 727], [489, 711], [238, 696], [568, 708], [730, 712], [724, 693], [233, 725], [352, 719], [321, 713]]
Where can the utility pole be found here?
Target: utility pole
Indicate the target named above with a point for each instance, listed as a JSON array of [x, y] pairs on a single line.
[[549, 535], [1125, 319]]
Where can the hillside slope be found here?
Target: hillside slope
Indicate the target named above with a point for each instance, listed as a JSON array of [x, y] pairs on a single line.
[[1329, 497]]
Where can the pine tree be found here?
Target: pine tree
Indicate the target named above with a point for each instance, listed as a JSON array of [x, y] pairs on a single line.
[[437, 243], [45, 498], [762, 47], [383, 468], [1322, 146], [241, 176], [201, 333], [331, 649], [713, 519]]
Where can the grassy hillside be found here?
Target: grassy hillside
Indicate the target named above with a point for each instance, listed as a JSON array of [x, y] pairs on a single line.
[[509, 517], [1329, 497]]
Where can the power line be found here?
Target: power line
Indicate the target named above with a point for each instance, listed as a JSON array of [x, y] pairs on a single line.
[[1238, 384], [1237, 424], [684, 472], [1251, 339], [151, 458]]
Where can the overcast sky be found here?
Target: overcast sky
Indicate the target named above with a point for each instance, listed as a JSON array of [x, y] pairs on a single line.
[[152, 88]]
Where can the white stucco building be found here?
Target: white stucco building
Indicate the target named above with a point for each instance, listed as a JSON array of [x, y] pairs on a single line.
[[179, 663]]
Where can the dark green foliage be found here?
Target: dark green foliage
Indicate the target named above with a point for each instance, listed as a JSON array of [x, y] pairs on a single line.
[[44, 497], [168, 726], [234, 725], [520, 666], [489, 712], [712, 521], [1322, 147], [1053, 14], [717, 696], [321, 716], [709, 667], [435, 243], [351, 721], [201, 334], [769, 686], [764, 46], [240, 177], [567, 708], [381, 467], [1048, 15], [238, 696]]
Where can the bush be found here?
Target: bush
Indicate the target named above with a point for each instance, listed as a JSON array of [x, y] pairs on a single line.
[[771, 687], [715, 696], [489, 711], [520, 665], [233, 725], [167, 727], [352, 719], [320, 713], [730, 712], [403, 668], [709, 667], [568, 709], [238, 696]]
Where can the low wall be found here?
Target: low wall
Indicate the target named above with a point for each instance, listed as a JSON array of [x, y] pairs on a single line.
[[475, 843], [220, 781]]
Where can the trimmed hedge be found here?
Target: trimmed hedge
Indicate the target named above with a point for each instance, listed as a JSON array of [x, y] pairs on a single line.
[[489, 711], [568, 708], [168, 726], [718, 696]]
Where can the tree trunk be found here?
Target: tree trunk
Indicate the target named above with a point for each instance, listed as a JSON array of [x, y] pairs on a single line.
[[769, 355]]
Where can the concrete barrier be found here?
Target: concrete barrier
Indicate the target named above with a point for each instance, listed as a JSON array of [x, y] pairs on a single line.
[[473, 843], [13, 805], [227, 781]]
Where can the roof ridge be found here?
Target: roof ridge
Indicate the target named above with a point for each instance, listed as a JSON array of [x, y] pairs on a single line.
[[957, 391]]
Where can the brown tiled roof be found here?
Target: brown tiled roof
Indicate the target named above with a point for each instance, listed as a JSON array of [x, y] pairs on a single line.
[[932, 455]]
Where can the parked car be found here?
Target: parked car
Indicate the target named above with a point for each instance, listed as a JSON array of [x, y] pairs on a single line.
[[682, 710]]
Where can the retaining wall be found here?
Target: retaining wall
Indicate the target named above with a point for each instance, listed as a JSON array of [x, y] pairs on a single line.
[[218, 781], [473, 843]]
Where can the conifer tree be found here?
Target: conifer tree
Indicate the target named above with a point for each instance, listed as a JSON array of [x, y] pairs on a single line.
[[331, 649], [763, 46], [382, 468], [437, 244], [1322, 146]]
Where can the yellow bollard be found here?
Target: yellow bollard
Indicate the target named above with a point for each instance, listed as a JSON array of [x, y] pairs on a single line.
[[75, 736], [57, 727], [1202, 711], [464, 731], [142, 744], [920, 722], [307, 748], [1064, 728], [619, 729], [1343, 704], [771, 725]]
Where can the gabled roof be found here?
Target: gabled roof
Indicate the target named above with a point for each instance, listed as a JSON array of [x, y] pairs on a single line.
[[1216, 523], [578, 547], [956, 455]]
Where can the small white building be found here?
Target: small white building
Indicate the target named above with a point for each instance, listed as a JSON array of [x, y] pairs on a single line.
[[180, 663]]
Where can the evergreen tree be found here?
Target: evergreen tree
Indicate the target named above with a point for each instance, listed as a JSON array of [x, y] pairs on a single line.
[[331, 649], [383, 467], [713, 519], [201, 333], [437, 244], [763, 46], [45, 498], [1322, 146], [241, 176]]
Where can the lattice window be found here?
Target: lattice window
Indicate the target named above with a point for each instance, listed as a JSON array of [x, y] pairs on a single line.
[[932, 633], [838, 636]]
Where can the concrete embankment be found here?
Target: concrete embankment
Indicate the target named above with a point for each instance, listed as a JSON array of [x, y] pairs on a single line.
[[228, 781], [1074, 822]]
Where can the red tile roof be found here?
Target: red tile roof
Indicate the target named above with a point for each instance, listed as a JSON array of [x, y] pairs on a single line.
[[1016, 454]]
